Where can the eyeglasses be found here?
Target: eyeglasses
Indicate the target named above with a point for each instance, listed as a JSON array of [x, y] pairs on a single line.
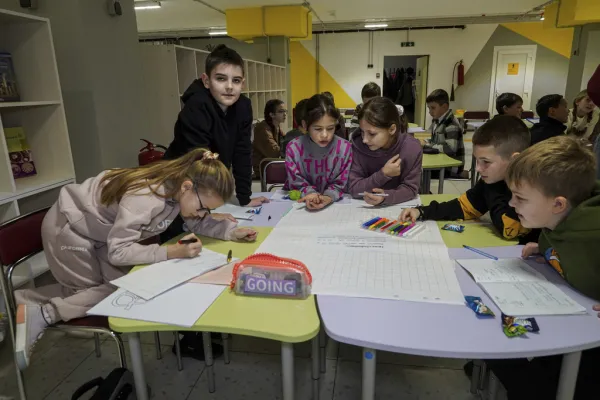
[[282, 111], [202, 208]]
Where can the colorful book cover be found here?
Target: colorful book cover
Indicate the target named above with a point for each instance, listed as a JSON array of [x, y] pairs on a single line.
[[19, 153], [8, 80]]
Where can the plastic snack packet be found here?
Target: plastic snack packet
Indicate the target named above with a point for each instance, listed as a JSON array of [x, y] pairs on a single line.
[[454, 228], [478, 307], [515, 326]]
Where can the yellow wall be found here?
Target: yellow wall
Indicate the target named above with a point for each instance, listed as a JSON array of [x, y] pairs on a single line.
[[303, 77], [558, 40]]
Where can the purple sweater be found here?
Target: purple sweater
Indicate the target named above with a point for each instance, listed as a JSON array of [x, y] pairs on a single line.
[[366, 173], [314, 169]]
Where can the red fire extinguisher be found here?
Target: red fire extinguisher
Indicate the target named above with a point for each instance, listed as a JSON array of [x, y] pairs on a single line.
[[459, 69], [149, 153]]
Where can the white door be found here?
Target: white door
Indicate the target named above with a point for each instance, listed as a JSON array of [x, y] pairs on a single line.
[[420, 83], [513, 69]]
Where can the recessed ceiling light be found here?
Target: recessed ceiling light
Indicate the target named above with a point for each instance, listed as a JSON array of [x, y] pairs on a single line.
[[146, 5], [376, 25], [215, 33]]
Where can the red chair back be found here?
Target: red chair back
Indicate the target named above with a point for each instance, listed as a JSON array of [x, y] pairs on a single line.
[[21, 237], [527, 114], [274, 174], [476, 115]]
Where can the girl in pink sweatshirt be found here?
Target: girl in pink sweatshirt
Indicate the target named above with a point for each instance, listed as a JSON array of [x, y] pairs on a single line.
[[91, 234], [318, 163]]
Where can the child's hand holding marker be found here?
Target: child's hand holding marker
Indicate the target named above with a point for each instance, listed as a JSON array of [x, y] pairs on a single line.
[[409, 214], [375, 198], [187, 247], [244, 234]]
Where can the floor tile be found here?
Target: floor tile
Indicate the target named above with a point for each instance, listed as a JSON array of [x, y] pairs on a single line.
[[399, 382], [258, 377], [354, 353], [165, 380]]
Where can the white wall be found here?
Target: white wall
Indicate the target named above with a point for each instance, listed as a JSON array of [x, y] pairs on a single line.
[[345, 55], [592, 59]]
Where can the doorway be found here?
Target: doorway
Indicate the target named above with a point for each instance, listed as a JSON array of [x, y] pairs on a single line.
[[512, 71], [405, 83]]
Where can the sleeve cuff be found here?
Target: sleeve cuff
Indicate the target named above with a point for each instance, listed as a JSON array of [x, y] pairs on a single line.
[[160, 254], [334, 194], [380, 179]]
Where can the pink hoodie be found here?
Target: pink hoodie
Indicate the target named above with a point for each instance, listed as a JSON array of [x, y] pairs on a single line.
[[121, 225]]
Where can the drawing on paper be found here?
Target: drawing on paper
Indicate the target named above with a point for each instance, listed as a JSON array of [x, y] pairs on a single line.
[[127, 300]]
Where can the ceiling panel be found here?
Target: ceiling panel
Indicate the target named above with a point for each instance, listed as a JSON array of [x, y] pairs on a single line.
[[181, 15]]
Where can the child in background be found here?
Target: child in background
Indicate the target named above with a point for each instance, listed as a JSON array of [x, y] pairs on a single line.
[[554, 188], [299, 131], [267, 134], [318, 163], [495, 143], [446, 131], [91, 234], [509, 104], [583, 118], [218, 117], [385, 159], [369, 91], [340, 129], [553, 111]]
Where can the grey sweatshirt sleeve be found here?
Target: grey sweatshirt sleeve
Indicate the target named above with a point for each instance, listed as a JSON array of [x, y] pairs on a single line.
[[211, 227], [123, 249]]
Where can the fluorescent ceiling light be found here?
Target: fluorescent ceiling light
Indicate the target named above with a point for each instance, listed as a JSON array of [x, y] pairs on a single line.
[[146, 5], [214, 33], [376, 25]]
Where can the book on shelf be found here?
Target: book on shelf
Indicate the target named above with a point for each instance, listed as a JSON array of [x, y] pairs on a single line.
[[8, 80], [19, 153]]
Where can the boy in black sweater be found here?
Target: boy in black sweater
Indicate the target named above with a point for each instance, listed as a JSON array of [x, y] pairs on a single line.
[[218, 117], [494, 145], [553, 111]]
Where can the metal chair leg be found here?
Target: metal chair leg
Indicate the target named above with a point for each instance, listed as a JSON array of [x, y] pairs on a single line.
[[208, 361], [157, 345], [225, 337], [120, 348], [97, 345], [178, 352]]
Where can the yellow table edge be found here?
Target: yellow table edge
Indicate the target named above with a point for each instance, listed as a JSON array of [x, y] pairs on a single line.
[[232, 314], [436, 161]]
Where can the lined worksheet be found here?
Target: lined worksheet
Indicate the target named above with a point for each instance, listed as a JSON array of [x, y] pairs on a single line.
[[518, 289], [345, 260]]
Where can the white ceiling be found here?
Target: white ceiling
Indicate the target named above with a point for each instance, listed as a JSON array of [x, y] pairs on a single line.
[[189, 15]]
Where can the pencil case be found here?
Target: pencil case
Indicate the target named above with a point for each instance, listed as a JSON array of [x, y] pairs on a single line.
[[392, 227], [271, 276]]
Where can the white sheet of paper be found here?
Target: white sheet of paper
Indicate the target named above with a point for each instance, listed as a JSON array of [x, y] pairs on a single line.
[[180, 306], [150, 281], [503, 270], [279, 195], [526, 299], [345, 260], [238, 212]]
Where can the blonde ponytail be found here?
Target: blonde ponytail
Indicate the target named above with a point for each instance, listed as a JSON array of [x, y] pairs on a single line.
[[199, 166]]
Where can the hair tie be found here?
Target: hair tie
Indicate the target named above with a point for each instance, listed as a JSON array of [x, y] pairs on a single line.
[[400, 109], [209, 155]]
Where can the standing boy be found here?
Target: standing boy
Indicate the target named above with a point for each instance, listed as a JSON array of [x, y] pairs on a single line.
[[446, 131], [553, 111], [216, 116], [494, 145]]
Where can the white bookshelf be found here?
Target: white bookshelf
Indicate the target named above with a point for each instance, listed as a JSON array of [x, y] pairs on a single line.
[[40, 112], [168, 70]]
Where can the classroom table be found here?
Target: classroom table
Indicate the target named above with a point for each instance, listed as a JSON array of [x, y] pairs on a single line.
[[438, 330], [287, 321], [436, 162]]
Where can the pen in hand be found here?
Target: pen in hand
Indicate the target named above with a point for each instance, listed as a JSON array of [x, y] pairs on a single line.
[[187, 241]]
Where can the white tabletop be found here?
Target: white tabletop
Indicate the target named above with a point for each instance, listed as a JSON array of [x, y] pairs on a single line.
[[454, 331]]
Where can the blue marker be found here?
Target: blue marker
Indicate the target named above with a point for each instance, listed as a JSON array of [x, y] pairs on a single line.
[[370, 222], [483, 253]]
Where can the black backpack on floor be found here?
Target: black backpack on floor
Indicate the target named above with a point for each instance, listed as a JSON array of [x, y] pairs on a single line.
[[118, 385]]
